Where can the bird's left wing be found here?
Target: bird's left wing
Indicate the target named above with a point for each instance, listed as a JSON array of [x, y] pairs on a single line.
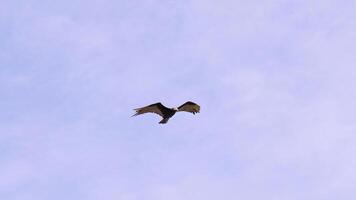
[[189, 107], [157, 108]]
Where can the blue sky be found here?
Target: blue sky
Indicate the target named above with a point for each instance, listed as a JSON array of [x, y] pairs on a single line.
[[275, 81]]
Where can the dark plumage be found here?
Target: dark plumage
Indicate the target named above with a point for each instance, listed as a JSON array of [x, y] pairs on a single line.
[[165, 112]]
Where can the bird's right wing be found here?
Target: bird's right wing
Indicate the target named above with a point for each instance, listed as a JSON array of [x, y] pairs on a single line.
[[189, 107], [157, 108]]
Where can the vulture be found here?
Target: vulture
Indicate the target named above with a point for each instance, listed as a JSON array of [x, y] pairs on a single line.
[[165, 112]]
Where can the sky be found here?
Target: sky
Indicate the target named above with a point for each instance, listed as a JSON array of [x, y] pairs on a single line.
[[275, 81]]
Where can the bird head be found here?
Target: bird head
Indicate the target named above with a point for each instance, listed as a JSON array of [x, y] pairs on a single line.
[[175, 109]]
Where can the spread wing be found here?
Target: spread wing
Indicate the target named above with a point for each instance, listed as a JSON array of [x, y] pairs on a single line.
[[157, 108], [189, 107]]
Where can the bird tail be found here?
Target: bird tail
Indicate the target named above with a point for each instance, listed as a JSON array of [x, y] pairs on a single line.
[[164, 120]]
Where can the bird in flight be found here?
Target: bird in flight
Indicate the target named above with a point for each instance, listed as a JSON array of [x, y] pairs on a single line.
[[165, 112]]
